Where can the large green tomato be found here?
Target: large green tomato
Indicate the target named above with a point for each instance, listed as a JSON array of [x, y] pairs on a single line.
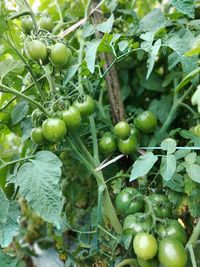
[[85, 107], [146, 122], [172, 228], [46, 23], [138, 222], [122, 130], [129, 201], [72, 118], [36, 50], [161, 205], [54, 130], [108, 143], [148, 263], [129, 145], [60, 54], [145, 246], [27, 24], [171, 253], [37, 136]]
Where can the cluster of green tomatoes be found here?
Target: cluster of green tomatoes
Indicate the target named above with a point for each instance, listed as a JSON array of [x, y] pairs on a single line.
[[55, 129], [59, 54], [126, 137], [157, 237]]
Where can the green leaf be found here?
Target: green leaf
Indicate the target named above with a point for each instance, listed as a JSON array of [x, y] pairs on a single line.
[[195, 49], [193, 172], [191, 158], [90, 56], [143, 165], [153, 21], [184, 6], [127, 238], [71, 71], [123, 45], [7, 261], [187, 79], [176, 183], [192, 189], [4, 205], [39, 185], [107, 25], [9, 229], [19, 112], [153, 55], [168, 166], [10, 65], [3, 25], [169, 145]]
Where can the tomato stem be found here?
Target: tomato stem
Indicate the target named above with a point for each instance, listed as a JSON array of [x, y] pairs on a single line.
[[131, 262]]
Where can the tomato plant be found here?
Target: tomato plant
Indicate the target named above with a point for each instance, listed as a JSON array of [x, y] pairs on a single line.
[[99, 133]]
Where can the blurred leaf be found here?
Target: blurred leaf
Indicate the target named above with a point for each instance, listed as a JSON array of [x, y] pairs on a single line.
[[193, 172], [185, 6], [107, 25], [19, 112], [169, 145], [7, 261], [91, 51], [10, 65], [168, 166], [4, 206]]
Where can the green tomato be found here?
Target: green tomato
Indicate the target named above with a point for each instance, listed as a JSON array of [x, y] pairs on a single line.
[[72, 118], [86, 107], [54, 130], [46, 23], [35, 116], [148, 263], [129, 201], [138, 222], [128, 146], [161, 205], [196, 130], [60, 54], [172, 228], [122, 130], [36, 50], [145, 246], [136, 133], [5, 118], [146, 122], [37, 136], [108, 144], [27, 24], [171, 253]]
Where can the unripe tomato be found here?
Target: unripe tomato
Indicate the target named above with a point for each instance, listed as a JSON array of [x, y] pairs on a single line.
[[138, 222], [145, 246], [86, 107], [72, 118], [136, 133], [54, 130], [27, 24], [128, 146], [60, 54], [129, 201], [108, 143], [122, 130], [146, 122], [46, 23], [36, 50], [148, 263], [37, 136], [172, 228], [161, 205], [171, 253], [196, 130]]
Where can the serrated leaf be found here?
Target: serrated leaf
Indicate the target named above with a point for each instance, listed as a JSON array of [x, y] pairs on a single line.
[[9, 229], [19, 112], [143, 165], [90, 56], [184, 6], [169, 145], [152, 57], [191, 158], [10, 65], [4, 205], [107, 25], [193, 172], [39, 185], [153, 21], [168, 166], [7, 261]]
